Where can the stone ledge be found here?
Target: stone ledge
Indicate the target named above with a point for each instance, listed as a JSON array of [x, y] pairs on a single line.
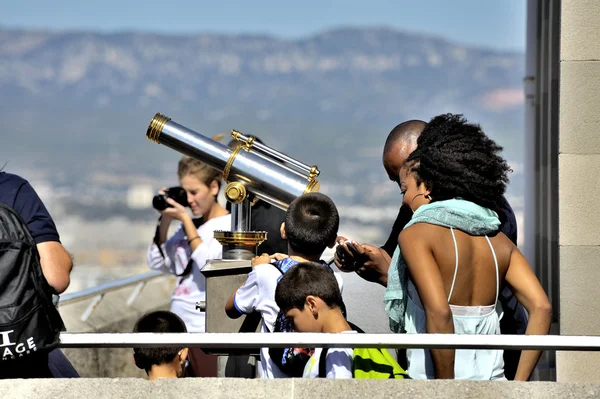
[[218, 388]]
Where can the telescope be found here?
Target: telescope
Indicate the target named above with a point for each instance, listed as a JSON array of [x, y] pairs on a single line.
[[251, 170]]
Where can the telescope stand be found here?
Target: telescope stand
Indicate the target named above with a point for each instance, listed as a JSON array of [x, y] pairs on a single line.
[[225, 275]]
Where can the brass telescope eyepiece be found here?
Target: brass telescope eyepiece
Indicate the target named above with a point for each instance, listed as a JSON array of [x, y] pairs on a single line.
[[156, 126]]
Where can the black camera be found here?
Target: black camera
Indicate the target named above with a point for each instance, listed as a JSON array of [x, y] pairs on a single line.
[[178, 194]]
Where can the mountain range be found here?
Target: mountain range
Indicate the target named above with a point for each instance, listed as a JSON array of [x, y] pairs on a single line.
[[73, 103]]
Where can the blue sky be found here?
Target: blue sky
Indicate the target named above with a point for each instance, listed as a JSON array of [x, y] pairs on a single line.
[[491, 23]]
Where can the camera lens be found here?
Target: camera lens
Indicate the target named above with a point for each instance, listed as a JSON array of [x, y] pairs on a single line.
[[159, 202]]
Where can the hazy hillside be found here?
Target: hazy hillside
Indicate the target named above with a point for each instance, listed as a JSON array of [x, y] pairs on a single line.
[[75, 104]]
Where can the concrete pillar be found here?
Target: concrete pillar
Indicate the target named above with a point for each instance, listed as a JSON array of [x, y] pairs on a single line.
[[579, 184]]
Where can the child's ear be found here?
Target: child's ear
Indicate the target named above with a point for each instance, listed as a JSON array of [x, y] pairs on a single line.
[[282, 231], [313, 305], [184, 354]]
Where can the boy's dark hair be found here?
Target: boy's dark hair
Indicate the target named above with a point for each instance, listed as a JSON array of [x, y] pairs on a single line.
[[157, 322], [304, 279], [311, 224], [456, 159]]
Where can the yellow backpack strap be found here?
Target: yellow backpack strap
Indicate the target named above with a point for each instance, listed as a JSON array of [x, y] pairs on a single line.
[[374, 363]]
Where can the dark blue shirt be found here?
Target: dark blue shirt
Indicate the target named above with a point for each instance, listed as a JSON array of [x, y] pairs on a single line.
[[18, 193]]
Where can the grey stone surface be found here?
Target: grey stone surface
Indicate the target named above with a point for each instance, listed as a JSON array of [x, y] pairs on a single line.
[[579, 194], [218, 388], [219, 287], [579, 98], [579, 184], [580, 367], [578, 28], [579, 278]]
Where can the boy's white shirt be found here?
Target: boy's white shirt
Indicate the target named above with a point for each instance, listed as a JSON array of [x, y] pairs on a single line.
[[338, 362], [258, 294]]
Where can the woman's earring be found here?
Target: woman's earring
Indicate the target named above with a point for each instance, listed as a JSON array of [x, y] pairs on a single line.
[[413, 200], [427, 197]]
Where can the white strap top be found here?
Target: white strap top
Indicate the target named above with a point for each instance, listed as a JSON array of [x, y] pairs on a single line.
[[470, 310], [469, 364]]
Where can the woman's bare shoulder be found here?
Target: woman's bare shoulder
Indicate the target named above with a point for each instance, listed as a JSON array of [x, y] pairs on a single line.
[[418, 233]]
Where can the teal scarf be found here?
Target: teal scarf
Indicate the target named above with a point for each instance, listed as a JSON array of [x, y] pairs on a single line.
[[459, 214]]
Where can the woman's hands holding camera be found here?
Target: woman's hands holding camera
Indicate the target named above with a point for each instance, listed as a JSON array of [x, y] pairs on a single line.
[[175, 211]]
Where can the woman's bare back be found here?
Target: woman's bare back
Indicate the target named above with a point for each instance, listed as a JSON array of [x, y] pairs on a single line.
[[476, 277]]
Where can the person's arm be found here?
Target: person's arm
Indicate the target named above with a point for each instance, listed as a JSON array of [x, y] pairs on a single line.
[[245, 299], [508, 221], [425, 273], [230, 309], [530, 293], [166, 263], [404, 216], [56, 264], [377, 265], [176, 211], [55, 261]]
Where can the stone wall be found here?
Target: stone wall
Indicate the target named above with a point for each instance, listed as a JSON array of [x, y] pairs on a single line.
[[217, 388], [579, 184]]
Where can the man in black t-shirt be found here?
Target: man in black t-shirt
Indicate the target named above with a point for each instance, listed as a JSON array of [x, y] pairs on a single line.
[[372, 263], [56, 264]]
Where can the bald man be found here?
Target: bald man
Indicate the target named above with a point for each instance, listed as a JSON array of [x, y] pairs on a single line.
[[372, 263]]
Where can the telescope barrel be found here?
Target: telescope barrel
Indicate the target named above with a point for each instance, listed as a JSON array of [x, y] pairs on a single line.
[[273, 153], [269, 180], [163, 130]]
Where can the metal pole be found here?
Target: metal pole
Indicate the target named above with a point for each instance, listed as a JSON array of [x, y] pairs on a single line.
[[313, 340], [529, 163], [241, 216]]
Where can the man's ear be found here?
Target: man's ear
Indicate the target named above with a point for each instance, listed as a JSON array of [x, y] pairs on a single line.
[[282, 231], [332, 244]]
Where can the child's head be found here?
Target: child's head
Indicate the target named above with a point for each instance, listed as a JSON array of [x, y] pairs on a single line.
[[160, 322], [305, 294], [200, 182], [311, 225]]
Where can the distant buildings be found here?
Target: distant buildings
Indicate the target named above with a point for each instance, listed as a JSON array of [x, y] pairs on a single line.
[[139, 196]]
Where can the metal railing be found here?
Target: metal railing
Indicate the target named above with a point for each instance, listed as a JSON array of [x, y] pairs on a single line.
[[97, 293], [312, 340]]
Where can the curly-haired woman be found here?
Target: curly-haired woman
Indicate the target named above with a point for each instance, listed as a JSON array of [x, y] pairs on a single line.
[[453, 260]]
